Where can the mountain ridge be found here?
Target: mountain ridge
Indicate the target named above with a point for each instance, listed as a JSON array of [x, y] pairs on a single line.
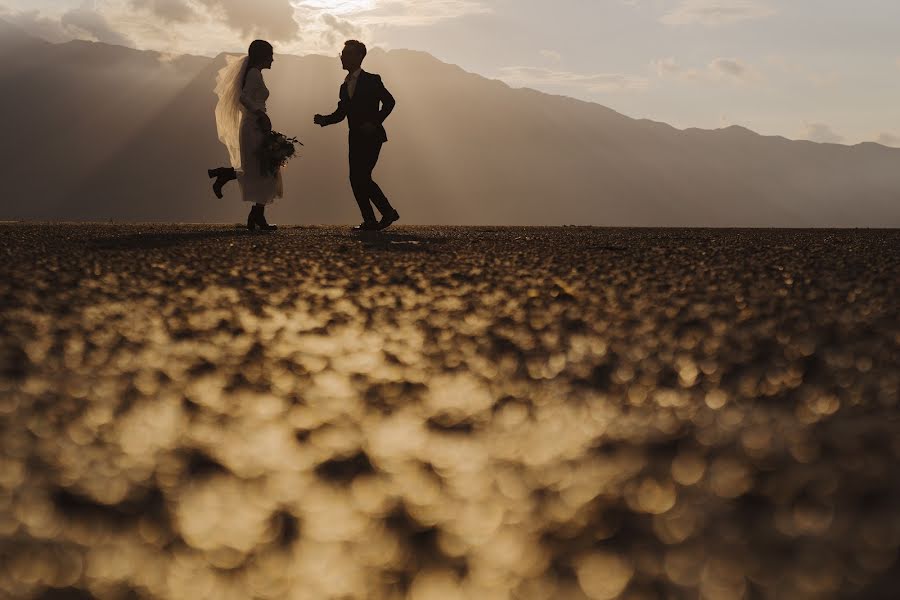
[[375, 51]]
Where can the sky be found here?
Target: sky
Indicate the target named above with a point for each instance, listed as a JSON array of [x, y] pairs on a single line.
[[823, 70]]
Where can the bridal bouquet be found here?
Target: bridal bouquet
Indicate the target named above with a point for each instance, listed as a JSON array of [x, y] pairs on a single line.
[[277, 150]]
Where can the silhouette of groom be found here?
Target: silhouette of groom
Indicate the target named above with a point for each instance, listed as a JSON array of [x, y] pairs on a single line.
[[365, 103]]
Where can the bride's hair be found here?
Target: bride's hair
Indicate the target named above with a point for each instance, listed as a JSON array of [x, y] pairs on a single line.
[[259, 49]]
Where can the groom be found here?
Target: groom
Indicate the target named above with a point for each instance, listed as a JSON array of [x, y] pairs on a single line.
[[366, 103]]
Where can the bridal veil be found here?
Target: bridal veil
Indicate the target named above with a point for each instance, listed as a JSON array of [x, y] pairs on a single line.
[[229, 84]]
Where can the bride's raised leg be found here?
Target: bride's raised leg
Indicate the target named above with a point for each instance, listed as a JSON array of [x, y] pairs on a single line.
[[222, 175]]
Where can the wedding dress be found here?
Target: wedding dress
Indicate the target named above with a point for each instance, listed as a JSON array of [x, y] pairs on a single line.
[[239, 98]]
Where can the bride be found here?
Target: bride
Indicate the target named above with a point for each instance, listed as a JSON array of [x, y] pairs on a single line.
[[242, 123]]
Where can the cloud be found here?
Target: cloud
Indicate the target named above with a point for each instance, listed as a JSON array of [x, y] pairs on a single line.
[[410, 13], [325, 24], [170, 11], [888, 139], [730, 68], [213, 26], [716, 12], [719, 69], [822, 133], [333, 31], [669, 67], [552, 55], [35, 23], [87, 22], [271, 19], [549, 78], [802, 73], [824, 79], [166, 25]]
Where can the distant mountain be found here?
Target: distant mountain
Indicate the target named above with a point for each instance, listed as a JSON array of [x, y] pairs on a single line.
[[13, 37], [92, 131]]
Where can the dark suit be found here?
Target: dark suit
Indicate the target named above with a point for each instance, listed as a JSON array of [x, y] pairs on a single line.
[[371, 103]]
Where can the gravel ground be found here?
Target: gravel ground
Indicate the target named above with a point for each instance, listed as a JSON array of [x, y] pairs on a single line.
[[195, 411]]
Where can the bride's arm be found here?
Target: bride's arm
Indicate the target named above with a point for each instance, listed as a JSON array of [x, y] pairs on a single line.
[[253, 97]]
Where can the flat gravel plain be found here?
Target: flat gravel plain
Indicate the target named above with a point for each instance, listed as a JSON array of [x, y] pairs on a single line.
[[196, 411]]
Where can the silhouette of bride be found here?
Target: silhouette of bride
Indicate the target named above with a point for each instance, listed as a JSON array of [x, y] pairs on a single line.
[[243, 124]]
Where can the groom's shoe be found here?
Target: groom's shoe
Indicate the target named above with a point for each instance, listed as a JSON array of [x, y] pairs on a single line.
[[367, 226], [388, 219]]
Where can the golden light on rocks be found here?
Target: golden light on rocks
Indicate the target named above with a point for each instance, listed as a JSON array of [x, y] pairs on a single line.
[[817, 406], [729, 478], [678, 525], [603, 575], [653, 496], [716, 399], [436, 585], [466, 416], [722, 579], [688, 468], [222, 513], [683, 565]]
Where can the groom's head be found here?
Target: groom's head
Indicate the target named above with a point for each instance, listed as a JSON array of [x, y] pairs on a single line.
[[353, 54]]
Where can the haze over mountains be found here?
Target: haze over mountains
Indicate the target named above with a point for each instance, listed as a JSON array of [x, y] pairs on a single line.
[[92, 131]]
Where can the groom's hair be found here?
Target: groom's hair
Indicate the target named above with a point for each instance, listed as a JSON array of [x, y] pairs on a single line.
[[357, 46]]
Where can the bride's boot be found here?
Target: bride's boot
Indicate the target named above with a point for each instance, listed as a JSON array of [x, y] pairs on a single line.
[[261, 219], [222, 176], [251, 218]]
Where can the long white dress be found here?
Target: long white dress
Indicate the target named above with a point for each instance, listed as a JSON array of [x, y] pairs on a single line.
[[255, 186]]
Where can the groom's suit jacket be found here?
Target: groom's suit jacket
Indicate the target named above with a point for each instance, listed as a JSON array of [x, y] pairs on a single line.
[[371, 103]]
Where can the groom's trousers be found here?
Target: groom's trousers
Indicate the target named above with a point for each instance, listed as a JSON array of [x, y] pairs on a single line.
[[364, 152]]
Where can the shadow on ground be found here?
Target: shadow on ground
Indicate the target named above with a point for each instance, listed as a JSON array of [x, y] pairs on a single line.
[[404, 242]]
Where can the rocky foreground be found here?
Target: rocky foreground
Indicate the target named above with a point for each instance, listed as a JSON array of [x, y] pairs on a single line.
[[437, 413]]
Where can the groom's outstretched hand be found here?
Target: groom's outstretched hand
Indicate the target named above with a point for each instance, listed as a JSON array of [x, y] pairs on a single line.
[[320, 121]]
